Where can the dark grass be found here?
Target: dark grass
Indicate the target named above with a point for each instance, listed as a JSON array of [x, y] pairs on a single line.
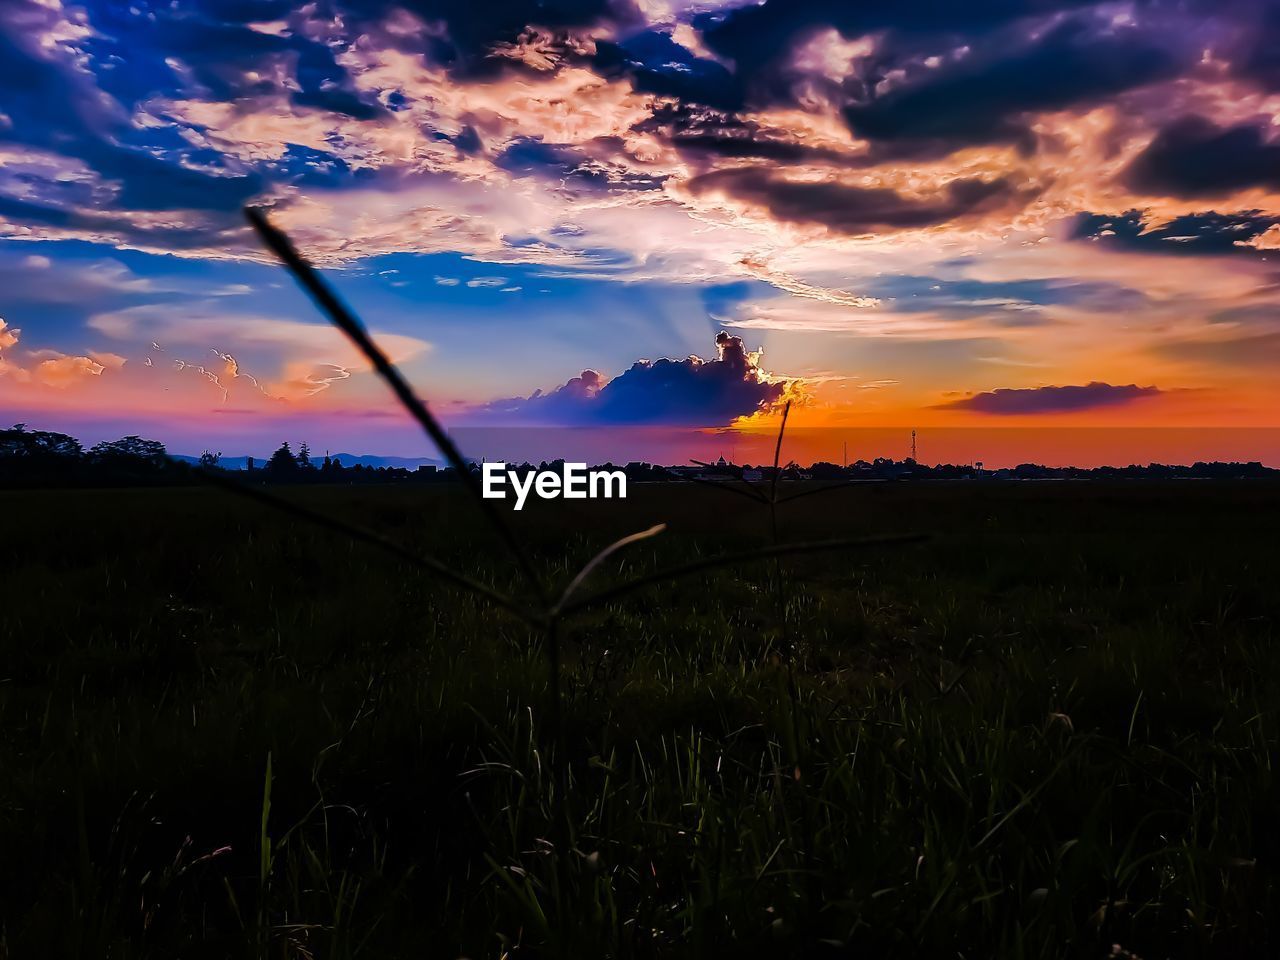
[[1046, 731]]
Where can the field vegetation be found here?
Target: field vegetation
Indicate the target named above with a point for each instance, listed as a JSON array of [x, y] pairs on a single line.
[[1048, 731]]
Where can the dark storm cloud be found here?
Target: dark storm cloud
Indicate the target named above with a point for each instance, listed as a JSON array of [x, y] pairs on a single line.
[[1261, 59], [55, 105], [76, 103], [1194, 158], [756, 35], [474, 29], [850, 209], [1017, 59], [1091, 396], [712, 134], [939, 76], [688, 392], [1194, 234], [214, 45], [982, 98], [657, 64], [573, 166]]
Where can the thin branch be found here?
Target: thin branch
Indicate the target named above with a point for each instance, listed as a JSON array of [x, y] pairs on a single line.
[[600, 558], [368, 537], [777, 452], [345, 320], [728, 559]]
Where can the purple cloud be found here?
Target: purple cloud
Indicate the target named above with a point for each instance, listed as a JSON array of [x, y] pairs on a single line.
[[1009, 400], [691, 391], [1195, 157], [851, 209]]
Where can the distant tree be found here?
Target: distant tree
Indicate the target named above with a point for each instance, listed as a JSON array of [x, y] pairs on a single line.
[[21, 442], [282, 462], [210, 460], [249, 464], [824, 469], [131, 448], [39, 457], [304, 456]]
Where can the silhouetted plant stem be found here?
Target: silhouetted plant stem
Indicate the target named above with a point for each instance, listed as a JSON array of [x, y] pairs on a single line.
[[777, 453], [732, 559], [799, 751], [255, 493], [344, 320], [545, 614]]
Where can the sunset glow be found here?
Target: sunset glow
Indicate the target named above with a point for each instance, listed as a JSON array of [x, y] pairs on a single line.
[[669, 218]]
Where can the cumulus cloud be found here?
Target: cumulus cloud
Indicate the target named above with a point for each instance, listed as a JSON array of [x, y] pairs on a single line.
[[50, 368], [692, 391], [1033, 400], [62, 371]]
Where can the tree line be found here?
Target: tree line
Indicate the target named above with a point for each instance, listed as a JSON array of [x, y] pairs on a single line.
[[43, 458]]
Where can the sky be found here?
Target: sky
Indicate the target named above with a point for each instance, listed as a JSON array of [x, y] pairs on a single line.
[[591, 224]]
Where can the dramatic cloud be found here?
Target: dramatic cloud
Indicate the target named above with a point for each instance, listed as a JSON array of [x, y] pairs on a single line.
[[62, 371], [1194, 234], [852, 209], [1195, 158], [986, 95], [1009, 401], [850, 178], [692, 391], [49, 368]]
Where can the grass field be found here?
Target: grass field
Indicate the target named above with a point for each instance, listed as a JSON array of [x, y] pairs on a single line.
[[1048, 731]]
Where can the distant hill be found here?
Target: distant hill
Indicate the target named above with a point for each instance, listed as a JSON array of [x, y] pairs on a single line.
[[346, 459]]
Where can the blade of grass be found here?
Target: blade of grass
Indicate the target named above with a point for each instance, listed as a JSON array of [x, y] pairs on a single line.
[[346, 321], [368, 537], [600, 558], [811, 492], [777, 452], [729, 559]]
